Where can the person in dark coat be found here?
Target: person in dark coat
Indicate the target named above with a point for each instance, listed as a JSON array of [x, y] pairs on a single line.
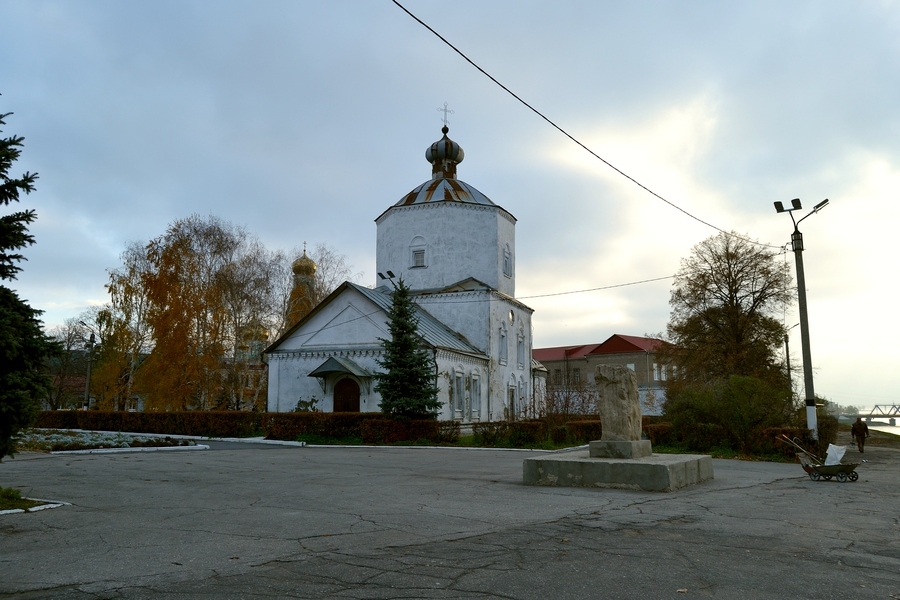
[[860, 432]]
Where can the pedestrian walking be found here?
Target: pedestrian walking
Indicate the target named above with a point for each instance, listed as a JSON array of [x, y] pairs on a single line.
[[860, 431]]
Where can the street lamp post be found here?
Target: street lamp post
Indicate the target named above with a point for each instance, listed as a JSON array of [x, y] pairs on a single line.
[[797, 246], [87, 383]]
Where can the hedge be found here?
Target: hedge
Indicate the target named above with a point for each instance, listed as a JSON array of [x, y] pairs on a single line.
[[390, 431], [201, 423], [274, 426], [586, 430], [290, 426]]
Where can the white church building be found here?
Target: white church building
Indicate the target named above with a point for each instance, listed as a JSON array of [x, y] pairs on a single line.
[[455, 249]]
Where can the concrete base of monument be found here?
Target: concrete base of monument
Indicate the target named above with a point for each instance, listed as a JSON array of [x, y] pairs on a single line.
[[654, 473]]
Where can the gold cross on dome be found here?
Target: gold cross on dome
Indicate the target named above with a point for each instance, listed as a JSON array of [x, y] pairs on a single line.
[[446, 111]]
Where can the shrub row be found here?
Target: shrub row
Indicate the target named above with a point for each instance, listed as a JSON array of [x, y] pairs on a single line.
[[202, 423], [291, 426], [389, 431], [535, 432], [370, 427], [702, 437], [374, 428]]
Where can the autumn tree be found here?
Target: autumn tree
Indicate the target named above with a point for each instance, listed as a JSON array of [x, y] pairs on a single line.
[[211, 301], [725, 338], [24, 347], [407, 386], [124, 330]]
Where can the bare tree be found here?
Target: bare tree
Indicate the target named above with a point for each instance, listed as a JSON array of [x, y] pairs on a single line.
[[68, 369], [332, 269]]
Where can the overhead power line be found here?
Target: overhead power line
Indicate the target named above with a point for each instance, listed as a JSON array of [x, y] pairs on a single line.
[[597, 289], [566, 133]]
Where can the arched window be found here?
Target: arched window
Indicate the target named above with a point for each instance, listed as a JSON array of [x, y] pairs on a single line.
[[504, 344]]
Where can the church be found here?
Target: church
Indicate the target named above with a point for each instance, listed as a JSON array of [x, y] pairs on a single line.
[[455, 249]]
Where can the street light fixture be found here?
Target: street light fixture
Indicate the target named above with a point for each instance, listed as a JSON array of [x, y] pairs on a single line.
[[797, 246]]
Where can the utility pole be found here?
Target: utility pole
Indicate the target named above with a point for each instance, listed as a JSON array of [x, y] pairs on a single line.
[[797, 247], [87, 383]]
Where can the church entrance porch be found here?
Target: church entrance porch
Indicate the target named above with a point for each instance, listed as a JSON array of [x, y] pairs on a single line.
[[346, 396]]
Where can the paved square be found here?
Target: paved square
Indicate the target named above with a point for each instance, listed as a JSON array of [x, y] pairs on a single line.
[[255, 521]]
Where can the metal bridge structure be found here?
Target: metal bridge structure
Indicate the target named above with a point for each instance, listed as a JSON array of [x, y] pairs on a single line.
[[884, 411]]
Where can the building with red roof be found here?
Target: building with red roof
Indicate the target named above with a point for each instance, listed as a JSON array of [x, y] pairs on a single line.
[[570, 370]]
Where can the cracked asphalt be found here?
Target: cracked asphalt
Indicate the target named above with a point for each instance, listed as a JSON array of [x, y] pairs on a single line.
[[255, 521]]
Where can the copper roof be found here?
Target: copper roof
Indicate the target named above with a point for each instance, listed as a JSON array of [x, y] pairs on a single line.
[[444, 189]]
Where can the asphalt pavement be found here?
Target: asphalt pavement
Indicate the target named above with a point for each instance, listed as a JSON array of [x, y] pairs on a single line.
[[244, 520]]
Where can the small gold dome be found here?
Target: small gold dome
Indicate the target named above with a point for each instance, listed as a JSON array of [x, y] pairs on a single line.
[[304, 265]]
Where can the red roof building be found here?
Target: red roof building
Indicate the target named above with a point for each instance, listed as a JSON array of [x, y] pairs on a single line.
[[570, 369]]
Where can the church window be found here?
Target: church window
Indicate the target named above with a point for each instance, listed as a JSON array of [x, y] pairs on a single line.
[[418, 258], [507, 261], [504, 345], [417, 253], [459, 393], [520, 351], [475, 396]]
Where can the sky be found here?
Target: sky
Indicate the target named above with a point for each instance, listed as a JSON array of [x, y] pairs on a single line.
[[304, 120]]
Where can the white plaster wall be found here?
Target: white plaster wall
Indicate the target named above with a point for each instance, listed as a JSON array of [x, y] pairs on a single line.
[[462, 241], [289, 381], [504, 376]]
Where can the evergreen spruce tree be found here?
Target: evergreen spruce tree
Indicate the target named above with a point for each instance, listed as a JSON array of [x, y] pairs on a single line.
[[407, 387], [23, 344]]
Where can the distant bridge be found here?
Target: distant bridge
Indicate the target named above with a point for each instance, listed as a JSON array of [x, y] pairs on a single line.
[[884, 411]]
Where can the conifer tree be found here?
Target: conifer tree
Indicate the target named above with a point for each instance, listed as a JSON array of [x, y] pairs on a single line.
[[23, 344], [407, 387]]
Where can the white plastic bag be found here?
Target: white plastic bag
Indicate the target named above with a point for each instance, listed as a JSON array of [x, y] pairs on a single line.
[[835, 454]]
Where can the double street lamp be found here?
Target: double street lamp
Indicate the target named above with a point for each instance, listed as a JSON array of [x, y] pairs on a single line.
[[797, 246]]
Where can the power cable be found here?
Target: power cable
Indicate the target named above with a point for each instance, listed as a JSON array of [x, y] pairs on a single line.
[[567, 134]]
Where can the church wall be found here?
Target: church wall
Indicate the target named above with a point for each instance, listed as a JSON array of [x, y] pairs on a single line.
[[510, 361], [460, 241], [289, 380], [483, 318]]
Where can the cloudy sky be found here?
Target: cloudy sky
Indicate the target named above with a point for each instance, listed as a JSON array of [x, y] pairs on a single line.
[[304, 120]]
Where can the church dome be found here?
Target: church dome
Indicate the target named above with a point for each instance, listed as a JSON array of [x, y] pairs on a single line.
[[443, 186], [304, 265], [445, 149]]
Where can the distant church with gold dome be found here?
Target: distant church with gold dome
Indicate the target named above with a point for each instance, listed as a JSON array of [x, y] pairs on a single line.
[[455, 249], [303, 291]]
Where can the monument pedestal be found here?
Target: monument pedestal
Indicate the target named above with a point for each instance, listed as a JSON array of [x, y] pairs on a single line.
[[637, 449], [654, 473]]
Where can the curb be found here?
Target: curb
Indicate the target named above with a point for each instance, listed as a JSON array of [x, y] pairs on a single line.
[[50, 504], [126, 450]]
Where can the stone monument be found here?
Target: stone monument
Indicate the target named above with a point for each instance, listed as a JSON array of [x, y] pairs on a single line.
[[620, 458], [620, 414]]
